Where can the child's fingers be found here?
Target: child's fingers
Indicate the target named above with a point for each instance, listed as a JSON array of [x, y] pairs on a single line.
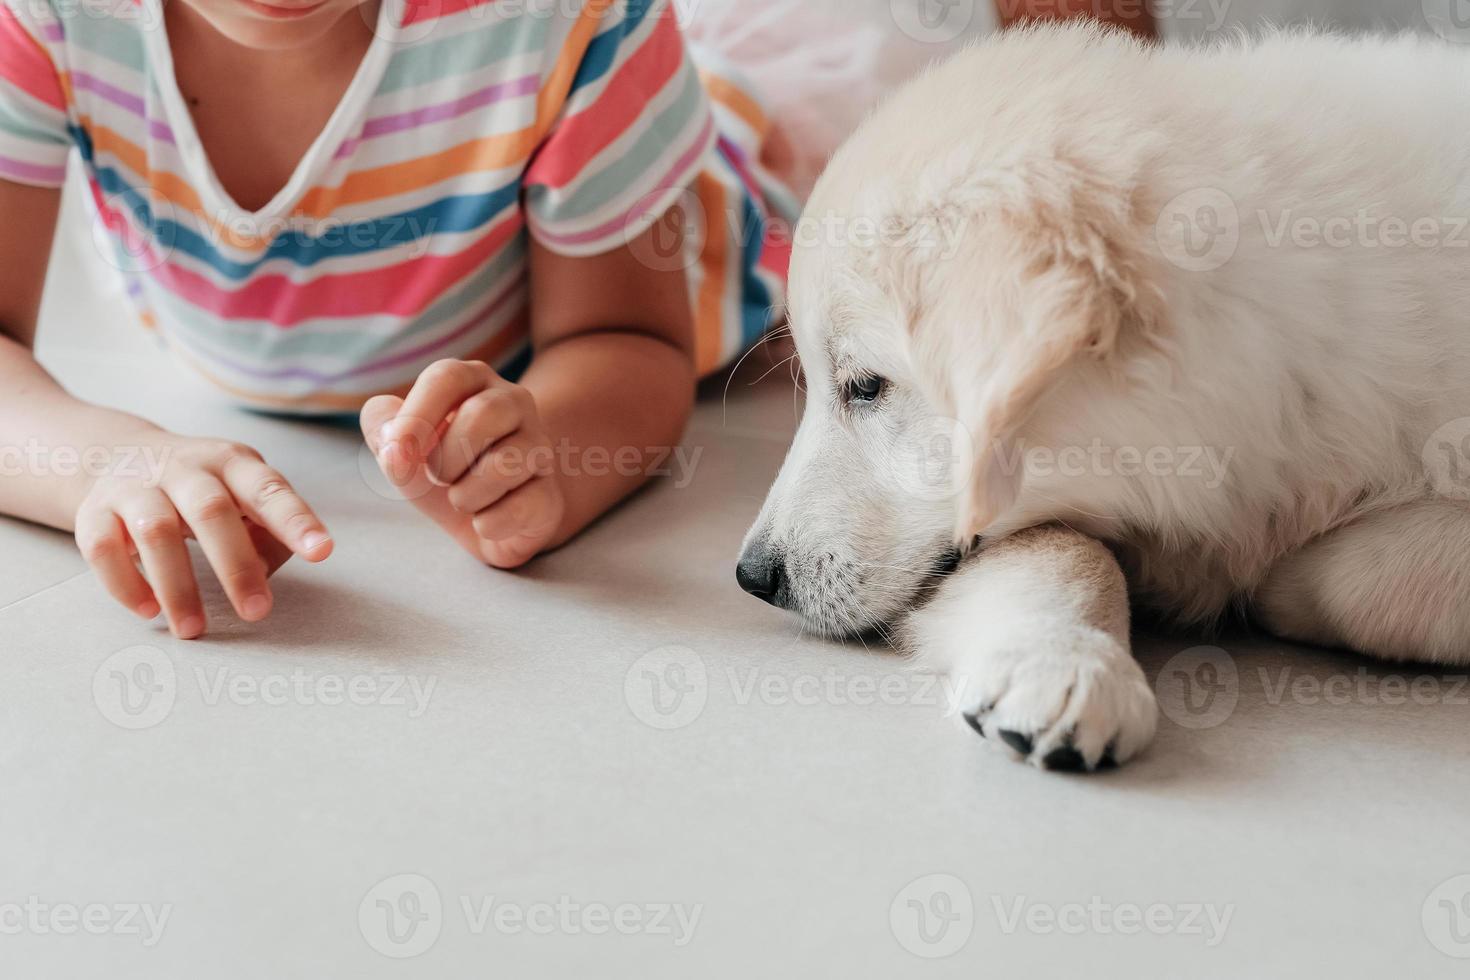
[[212, 514], [271, 551], [478, 424], [439, 390], [106, 547], [378, 412], [158, 531], [268, 499], [510, 464], [530, 510]]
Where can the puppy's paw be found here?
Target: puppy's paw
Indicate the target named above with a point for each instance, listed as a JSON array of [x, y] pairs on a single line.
[[1074, 701]]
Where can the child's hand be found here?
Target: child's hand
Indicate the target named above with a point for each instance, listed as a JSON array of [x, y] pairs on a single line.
[[245, 516], [470, 450]]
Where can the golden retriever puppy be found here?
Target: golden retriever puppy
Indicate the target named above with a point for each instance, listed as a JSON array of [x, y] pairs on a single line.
[[1072, 308]]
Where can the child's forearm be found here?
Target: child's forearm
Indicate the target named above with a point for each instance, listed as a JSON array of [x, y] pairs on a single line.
[[616, 404], [52, 445]]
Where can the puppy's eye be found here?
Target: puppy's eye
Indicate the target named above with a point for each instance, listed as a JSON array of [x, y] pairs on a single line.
[[863, 389]]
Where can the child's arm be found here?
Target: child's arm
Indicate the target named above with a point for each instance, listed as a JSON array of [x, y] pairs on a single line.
[[516, 469], [246, 517]]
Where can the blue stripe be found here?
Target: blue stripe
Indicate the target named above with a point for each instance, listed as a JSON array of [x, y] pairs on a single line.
[[602, 53], [449, 215], [756, 301]]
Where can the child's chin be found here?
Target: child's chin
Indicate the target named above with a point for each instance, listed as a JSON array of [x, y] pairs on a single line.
[[245, 23]]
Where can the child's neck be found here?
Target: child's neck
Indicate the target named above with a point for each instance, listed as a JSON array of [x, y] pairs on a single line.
[[258, 111]]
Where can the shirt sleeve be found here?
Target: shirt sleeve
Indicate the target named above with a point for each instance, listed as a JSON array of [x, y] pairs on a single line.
[[634, 131], [34, 140]]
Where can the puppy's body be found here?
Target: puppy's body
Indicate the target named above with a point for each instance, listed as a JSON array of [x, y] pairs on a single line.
[[1258, 254]]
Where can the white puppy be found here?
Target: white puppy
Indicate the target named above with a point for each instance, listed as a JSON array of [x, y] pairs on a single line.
[[1210, 307]]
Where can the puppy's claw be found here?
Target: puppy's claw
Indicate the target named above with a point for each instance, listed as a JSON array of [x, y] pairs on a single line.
[[1064, 758], [975, 722], [1018, 741]]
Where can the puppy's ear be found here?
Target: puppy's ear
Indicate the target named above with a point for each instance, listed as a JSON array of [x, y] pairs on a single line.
[[1075, 277]]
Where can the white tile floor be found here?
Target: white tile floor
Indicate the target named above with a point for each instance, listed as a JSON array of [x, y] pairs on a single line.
[[513, 754]]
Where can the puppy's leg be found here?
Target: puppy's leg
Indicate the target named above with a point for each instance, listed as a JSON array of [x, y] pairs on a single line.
[[1394, 584], [1034, 632]]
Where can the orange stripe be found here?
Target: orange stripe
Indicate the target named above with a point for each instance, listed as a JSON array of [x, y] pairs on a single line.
[[512, 331], [489, 153], [709, 313], [738, 101]]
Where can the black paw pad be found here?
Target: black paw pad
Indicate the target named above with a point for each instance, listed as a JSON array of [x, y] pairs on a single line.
[[977, 724], [1021, 743], [1064, 758]]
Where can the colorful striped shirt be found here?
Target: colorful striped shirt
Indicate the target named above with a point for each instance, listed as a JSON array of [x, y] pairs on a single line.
[[402, 236]]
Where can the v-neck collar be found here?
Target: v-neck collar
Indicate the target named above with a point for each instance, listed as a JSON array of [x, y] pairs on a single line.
[[322, 150]]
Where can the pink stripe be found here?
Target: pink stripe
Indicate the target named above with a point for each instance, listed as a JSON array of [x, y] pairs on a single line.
[[679, 170], [123, 99], [385, 125], [51, 31], [31, 172]]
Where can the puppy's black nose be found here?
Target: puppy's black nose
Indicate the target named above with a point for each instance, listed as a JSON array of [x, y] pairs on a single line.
[[762, 573]]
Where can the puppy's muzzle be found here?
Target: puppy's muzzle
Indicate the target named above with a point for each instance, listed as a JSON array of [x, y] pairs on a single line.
[[762, 572]]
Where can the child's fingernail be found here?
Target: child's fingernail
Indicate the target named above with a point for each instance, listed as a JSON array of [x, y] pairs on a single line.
[[314, 540], [147, 610], [190, 627], [257, 607]]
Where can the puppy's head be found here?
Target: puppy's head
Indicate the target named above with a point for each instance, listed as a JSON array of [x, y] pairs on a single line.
[[937, 309]]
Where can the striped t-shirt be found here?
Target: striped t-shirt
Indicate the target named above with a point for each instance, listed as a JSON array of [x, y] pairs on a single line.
[[402, 236]]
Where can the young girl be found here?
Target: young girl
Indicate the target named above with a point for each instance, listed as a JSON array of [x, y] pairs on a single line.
[[384, 206]]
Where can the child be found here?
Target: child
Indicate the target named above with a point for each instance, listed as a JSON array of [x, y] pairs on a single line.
[[384, 206]]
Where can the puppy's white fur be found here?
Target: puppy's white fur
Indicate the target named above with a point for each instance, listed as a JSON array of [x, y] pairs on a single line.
[[1031, 279]]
